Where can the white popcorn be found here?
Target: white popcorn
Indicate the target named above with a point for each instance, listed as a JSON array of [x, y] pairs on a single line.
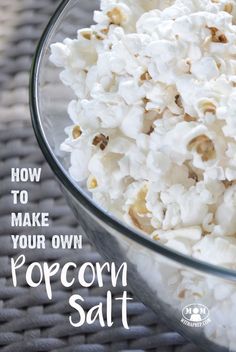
[[154, 128], [132, 122], [191, 234], [205, 68], [156, 103], [216, 250]]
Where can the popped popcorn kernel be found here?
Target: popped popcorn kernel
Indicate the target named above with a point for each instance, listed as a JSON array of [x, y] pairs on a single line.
[[145, 76], [92, 183], [76, 132], [140, 204], [193, 175], [203, 146], [189, 118], [86, 34], [150, 131], [178, 101], [139, 213], [116, 16], [101, 140], [218, 37], [229, 8], [104, 31], [146, 100], [228, 183], [208, 107], [156, 238]]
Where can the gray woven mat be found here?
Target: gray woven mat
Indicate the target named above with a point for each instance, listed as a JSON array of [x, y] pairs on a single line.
[[28, 321]]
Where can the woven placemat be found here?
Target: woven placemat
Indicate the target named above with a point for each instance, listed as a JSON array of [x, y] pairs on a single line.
[[28, 321]]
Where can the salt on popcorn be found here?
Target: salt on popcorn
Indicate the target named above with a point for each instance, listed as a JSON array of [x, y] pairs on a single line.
[[153, 121]]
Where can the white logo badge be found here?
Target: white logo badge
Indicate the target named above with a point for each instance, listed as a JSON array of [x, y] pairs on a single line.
[[195, 315]]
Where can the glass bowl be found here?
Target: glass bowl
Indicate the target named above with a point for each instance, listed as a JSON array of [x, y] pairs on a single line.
[[194, 298]]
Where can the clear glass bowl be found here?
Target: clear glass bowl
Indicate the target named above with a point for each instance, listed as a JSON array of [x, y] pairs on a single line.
[[163, 279]]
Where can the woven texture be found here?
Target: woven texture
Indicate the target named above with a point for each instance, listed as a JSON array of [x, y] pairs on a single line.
[[28, 320]]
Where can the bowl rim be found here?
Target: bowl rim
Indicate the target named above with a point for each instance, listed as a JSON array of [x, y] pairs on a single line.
[[71, 186]]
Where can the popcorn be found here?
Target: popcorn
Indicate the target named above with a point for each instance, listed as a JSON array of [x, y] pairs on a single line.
[[138, 212], [216, 249], [132, 73], [101, 141], [154, 128], [76, 133], [205, 68], [203, 146], [229, 8], [117, 16], [92, 183]]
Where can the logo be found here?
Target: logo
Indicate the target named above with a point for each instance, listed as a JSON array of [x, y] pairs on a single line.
[[195, 315]]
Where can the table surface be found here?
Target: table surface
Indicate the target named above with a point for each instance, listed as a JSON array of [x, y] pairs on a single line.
[[28, 321]]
